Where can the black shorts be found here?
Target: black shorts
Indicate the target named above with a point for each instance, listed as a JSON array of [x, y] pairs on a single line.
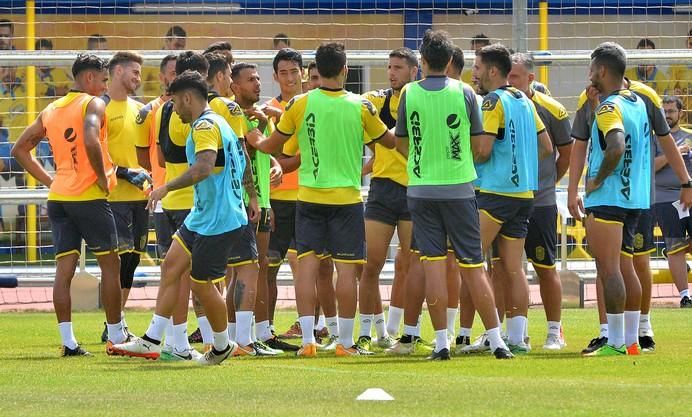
[[510, 212], [166, 223], [541, 240], [245, 249], [676, 231], [436, 224], [264, 224], [208, 254], [89, 220], [338, 230], [282, 237], [643, 242], [627, 218], [387, 202], [132, 224]]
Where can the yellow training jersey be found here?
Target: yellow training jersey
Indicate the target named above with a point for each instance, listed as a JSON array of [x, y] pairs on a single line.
[[123, 134], [389, 163], [171, 135]]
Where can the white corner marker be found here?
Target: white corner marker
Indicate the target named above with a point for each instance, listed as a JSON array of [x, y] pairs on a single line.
[[374, 394]]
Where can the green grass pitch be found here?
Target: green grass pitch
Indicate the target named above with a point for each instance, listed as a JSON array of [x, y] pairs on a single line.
[[34, 381]]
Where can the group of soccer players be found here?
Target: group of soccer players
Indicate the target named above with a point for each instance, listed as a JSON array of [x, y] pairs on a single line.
[[461, 174]]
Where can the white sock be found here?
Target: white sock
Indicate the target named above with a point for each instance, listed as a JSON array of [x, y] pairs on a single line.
[[464, 331], [169, 341], [243, 330], [603, 330], [365, 324], [307, 326], [67, 335], [631, 327], [321, 323], [346, 332], [451, 321], [554, 328], [616, 329], [645, 328], [394, 320], [178, 336], [441, 341], [410, 330], [220, 340], [333, 326], [122, 318], [418, 325], [253, 334], [263, 331], [515, 329], [231, 331], [685, 293], [205, 329], [380, 326], [495, 339], [157, 327], [116, 333]]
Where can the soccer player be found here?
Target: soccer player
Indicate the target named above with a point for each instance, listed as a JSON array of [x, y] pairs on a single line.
[[220, 46], [435, 131], [171, 136], [617, 187], [507, 157], [287, 65], [128, 199], [541, 240], [202, 245], [265, 169], [676, 231], [581, 130], [148, 155], [329, 212], [386, 209], [77, 205]]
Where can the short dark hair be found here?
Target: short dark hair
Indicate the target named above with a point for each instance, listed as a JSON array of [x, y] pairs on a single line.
[[496, 55], [287, 54], [189, 80], [237, 68], [96, 38], [218, 46], [281, 37], [612, 56], [312, 65], [191, 61], [43, 43], [7, 23], [176, 31], [523, 59], [217, 63], [480, 39], [673, 99], [124, 57], [330, 59], [457, 60], [645, 43], [88, 62], [436, 49], [405, 54], [166, 59]]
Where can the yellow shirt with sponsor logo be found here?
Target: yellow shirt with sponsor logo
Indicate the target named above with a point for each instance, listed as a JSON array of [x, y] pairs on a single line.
[[389, 163], [123, 134], [494, 125], [658, 81], [13, 115], [231, 112], [292, 121]]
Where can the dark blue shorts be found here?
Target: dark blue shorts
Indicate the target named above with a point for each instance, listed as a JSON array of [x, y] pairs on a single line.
[[387, 202], [338, 230], [510, 212], [89, 220], [208, 254]]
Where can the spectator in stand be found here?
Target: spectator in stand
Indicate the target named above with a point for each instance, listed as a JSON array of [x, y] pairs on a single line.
[[281, 41], [97, 42], [648, 74]]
